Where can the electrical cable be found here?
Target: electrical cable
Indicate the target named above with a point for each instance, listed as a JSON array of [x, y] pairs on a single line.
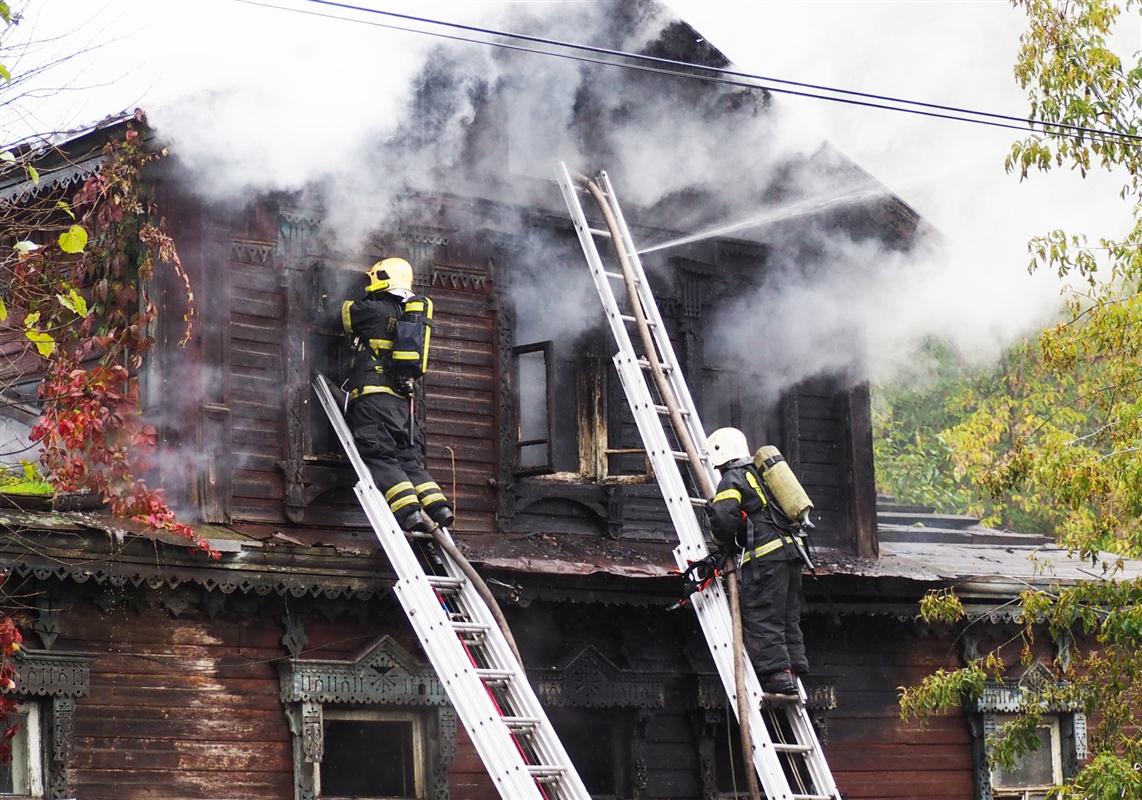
[[712, 79], [1025, 122]]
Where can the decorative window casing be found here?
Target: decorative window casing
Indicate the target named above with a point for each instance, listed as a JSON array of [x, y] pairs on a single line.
[[49, 685], [719, 757], [1063, 737], [618, 705], [328, 702]]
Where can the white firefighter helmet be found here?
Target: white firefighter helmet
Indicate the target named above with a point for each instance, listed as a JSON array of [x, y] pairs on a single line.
[[389, 274], [725, 445]]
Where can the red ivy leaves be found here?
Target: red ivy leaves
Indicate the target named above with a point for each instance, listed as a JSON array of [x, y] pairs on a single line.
[[91, 429]]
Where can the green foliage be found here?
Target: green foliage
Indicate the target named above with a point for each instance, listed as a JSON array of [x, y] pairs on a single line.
[[73, 240], [940, 692], [941, 605], [1056, 433], [27, 480]]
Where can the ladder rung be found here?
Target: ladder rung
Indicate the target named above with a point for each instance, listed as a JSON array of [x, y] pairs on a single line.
[[780, 698], [618, 276], [679, 455], [697, 502], [665, 410], [545, 772], [444, 583], [520, 724], [418, 535], [597, 232], [642, 362], [792, 748], [812, 797], [495, 675], [470, 627], [629, 318]]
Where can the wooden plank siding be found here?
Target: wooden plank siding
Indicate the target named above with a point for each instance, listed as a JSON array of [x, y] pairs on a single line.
[[189, 707]]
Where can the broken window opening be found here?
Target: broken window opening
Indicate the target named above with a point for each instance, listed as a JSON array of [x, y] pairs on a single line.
[[534, 372], [599, 747], [371, 755]]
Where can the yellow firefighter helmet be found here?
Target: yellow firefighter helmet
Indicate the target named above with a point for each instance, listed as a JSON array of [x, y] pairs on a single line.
[[389, 273]]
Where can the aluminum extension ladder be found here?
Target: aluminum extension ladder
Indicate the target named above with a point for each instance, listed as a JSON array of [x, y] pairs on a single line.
[[486, 684], [786, 752]]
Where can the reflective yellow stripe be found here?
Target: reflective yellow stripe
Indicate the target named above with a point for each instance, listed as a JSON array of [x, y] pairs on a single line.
[[427, 337], [764, 550], [364, 390], [429, 499], [347, 316], [728, 494], [753, 482], [381, 344], [403, 486], [424, 487], [397, 505], [405, 355], [414, 305]]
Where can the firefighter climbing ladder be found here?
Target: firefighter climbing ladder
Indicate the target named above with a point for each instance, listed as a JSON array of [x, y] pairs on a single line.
[[786, 754], [486, 684]]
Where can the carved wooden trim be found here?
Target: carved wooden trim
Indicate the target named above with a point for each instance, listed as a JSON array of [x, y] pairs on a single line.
[[590, 680], [385, 673], [63, 729], [43, 674], [312, 733]]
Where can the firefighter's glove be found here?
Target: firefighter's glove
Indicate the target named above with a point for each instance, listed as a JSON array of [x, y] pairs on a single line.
[[406, 386]]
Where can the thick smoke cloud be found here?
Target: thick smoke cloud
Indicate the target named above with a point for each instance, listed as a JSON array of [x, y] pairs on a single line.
[[354, 119]]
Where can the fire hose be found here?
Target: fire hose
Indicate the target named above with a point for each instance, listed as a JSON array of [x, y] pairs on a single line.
[[696, 468]]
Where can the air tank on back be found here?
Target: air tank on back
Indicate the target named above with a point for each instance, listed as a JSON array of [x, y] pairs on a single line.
[[783, 485]]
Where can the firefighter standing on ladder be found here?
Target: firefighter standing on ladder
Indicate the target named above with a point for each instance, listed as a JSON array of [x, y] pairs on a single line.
[[744, 517], [390, 328]]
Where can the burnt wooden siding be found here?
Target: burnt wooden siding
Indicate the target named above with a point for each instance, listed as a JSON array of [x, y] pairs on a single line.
[[873, 753], [188, 706]]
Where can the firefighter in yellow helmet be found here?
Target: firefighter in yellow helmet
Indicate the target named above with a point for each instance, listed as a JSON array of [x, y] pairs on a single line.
[[745, 517], [390, 330]]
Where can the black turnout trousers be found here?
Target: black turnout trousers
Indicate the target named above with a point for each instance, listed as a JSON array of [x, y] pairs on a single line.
[[380, 427], [771, 615]]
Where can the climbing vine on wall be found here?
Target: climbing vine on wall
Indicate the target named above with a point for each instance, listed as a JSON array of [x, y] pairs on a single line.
[[80, 283]]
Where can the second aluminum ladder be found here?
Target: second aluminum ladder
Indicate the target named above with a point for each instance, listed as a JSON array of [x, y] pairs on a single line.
[[786, 753], [470, 654]]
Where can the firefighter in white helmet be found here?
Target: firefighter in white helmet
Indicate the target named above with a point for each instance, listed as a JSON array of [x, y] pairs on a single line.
[[745, 518], [390, 329]]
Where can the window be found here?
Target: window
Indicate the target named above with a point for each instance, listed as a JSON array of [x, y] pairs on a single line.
[[371, 755], [534, 367], [598, 743], [1038, 771], [24, 776]]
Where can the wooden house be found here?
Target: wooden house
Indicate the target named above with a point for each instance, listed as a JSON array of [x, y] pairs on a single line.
[[287, 670]]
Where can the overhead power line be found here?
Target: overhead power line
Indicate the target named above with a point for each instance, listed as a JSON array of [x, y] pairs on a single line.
[[719, 75]]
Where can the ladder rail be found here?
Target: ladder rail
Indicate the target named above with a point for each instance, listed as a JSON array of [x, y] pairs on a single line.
[[453, 660], [711, 606], [691, 420], [674, 375]]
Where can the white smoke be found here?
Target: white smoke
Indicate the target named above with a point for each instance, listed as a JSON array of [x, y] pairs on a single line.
[[354, 116]]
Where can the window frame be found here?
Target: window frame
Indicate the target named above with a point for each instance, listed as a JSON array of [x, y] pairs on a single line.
[[547, 348], [31, 733], [1053, 723], [419, 747]]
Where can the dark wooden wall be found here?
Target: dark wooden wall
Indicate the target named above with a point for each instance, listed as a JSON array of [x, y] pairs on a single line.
[[184, 699]]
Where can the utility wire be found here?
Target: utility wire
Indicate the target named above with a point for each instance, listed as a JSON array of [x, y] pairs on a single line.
[[1022, 124]]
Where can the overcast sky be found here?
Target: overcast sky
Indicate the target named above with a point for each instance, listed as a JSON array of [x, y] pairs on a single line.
[[294, 75]]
